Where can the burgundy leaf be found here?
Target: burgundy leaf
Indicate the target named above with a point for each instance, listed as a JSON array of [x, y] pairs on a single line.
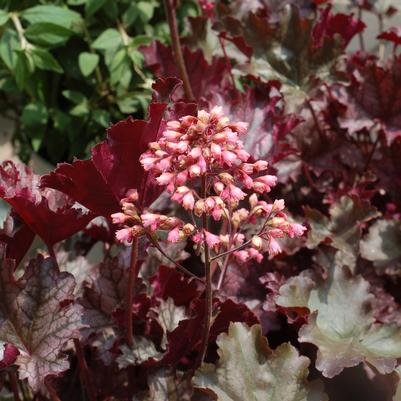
[[262, 106], [83, 183], [38, 317], [373, 97], [188, 329], [17, 236], [229, 311], [164, 88], [204, 78], [168, 283], [105, 293], [8, 355], [393, 35], [117, 158], [47, 212], [336, 24]]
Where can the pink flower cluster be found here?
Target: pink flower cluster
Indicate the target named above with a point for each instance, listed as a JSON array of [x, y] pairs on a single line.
[[207, 149]]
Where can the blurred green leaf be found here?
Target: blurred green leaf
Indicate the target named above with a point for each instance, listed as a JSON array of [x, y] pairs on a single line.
[[80, 110], [8, 44], [61, 120], [120, 69], [34, 115], [87, 63], [80, 100], [108, 39], [22, 70], [140, 40], [91, 6], [146, 10], [142, 10], [112, 9], [44, 60], [3, 17], [34, 118], [74, 96], [136, 57], [102, 117], [48, 34], [76, 2], [48, 13], [128, 105]]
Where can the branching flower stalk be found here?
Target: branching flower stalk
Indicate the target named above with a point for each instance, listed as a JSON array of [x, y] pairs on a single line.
[[201, 162]]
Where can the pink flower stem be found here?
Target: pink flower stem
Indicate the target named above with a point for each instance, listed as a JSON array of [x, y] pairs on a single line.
[[238, 248], [86, 379], [176, 44], [176, 264], [132, 275], [208, 283], [228, 256], [14, 385], [223, 272]]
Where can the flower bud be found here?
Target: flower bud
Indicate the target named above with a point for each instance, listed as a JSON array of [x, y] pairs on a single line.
[[188, 229], [260, 165], [132, 195], [199, 207], [203, 116], [277, 222], [218, 186], [257, 242], [221, 137], [119, 218], [253, 200], [226, 178]]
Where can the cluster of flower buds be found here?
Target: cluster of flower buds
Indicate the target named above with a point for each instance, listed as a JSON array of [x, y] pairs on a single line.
[[208, 149], [138, 223]]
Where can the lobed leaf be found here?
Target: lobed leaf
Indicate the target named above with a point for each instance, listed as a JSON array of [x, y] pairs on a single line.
[[48, 213], [248, 369], [382, 245], [342, 323], [38, 318], [342, 230]]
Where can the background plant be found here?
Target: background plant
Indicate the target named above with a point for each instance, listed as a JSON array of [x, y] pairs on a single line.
[[70, 68]]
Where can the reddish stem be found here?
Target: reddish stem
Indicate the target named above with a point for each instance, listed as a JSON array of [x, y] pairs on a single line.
[[315, 119], [176, 44], [370, 157], [14, 385], [223, 47], [86, 379], [52, 391], [52, 253], [208, 284], [360, 35], [132, 275]]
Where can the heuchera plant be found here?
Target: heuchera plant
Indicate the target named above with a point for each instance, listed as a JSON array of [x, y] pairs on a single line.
[[241, 243]]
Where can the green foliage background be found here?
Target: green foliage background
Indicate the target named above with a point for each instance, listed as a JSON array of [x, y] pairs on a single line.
[[70, 68]]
